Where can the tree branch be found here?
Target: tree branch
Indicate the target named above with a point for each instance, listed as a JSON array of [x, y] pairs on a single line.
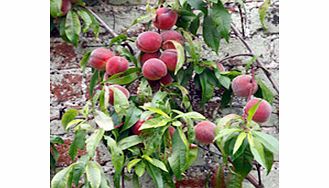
[[102, 22], [259, 64], [234, 56]]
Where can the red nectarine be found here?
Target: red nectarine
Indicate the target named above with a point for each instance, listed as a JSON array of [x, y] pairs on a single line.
[[242, 86], [169, 57], [154, 69], [116, 64], [98, 58], [263, 111], [205, 132], [149, 41], [165, 18]]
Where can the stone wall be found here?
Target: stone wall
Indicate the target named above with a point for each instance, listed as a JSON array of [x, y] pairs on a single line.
[[68, 85]]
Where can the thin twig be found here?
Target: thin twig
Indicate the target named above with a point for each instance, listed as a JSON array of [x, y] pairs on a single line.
[[259, 64], [123, 178], [259, 174], [102, 22], [206, 149], [242, 21], [234, 56]]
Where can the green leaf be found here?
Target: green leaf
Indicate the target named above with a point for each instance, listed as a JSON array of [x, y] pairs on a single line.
[[121, 103], [235, 180], [156, 110], [144, 18], [60, 180], [243, 159], [117, 159], [95, 24], [105, 182], [55, 8], [186, 17], [84, 61], [132, 117], [199, 5], [56, 140], [257, 151], [73, 123], [104, 121], [266, 93], [129, 141], [268, 141], [226, 98], [251, 112], [68, 116], [192, 115], [124, 78], [177, 160], [250, 62], [210, 34], [78, 143], [78, 169], [239, 141], [87, 21], [118, 39], [262, 12], [180, 55], [223, 80], [269, 158], [72, 27], [226, 132], [159, 96], [191, 157], [93, 171], [93, 141], [140, 169], [225, 121], [132, 163], [154, 123], [155, 173], [207, 88], [195, 24], [155, 162], [222, 20], [93, 82]]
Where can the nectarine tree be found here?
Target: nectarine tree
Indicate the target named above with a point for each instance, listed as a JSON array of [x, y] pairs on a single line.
[[154, 129]]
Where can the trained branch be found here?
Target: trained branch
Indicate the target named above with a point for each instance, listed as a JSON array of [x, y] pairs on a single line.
[[259, 64], [259, 174], [102, 22], [111, 31], [242, 21], [234, 56]]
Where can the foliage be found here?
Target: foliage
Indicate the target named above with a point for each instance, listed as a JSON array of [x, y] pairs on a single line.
[[69, 24], [163, 155]]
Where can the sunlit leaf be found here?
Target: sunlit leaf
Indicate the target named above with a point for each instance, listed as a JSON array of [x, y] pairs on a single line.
[[239, 141], [129, 141], [72, 27], [68, 116], [93, 141], [93, 172], [104, 121], [262, 12]]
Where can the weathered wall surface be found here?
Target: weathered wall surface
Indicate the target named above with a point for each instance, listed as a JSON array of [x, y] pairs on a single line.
[[69, 85]]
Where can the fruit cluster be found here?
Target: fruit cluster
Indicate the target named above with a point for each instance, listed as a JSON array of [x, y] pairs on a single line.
[[157, 65]]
